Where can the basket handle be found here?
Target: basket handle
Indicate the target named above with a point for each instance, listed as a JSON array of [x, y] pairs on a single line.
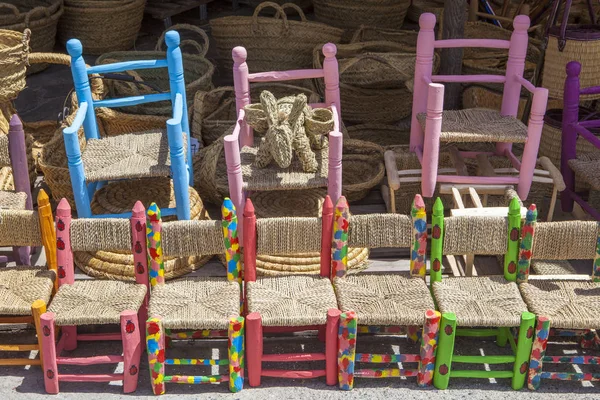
[[202, 48], [280, 14], [358, 34], [562, 41], [36, 10], [11, 7], [295, 7]]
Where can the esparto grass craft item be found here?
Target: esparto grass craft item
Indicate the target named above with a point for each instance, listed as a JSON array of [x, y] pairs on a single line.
[[14, 52], [350, 14]]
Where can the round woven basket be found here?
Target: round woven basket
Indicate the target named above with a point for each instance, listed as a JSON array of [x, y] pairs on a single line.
[[40, 17], [408, 39], [362, 168], [288, 203], [14, 50], [214, 111], [418, 7], [381, 134], [120, 197], [198, 72], [477, 96], [41, 132], [307, 263], [351, 14], [273, 43], [102, 25]]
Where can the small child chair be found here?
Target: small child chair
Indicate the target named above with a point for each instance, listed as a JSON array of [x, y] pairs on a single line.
[[431, 125], [26, 290], [129, 156], [480, 306], [194, 308], [383, 302], [95, 301], [576, 164], [289, 303], [568, 303], [240, 146]]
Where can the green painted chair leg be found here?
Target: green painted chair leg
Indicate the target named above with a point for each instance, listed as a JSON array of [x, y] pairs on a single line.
[[502, 336], [445, 350], [524, 345]]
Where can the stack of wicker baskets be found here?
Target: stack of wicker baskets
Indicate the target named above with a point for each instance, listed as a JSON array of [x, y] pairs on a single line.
[[102, 25], [39, 16], [351, 14]]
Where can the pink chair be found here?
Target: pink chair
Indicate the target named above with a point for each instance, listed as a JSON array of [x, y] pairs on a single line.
[[237, 157], [432, 125]]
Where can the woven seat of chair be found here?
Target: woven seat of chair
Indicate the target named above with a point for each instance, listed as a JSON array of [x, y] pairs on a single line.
[[13, 200], [292, 300], [22, 285], [196, 303], [96, 302], [478, 125], [480, 301], [552, 267], [275, 178], [568, 304], [135, 155], [384, 299], [587, 167]]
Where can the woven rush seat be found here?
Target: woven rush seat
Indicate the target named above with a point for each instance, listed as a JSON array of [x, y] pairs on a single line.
[[196, 303], [480, 301], [20, 286], [552, 267], [136, 155], [568, 304], [478, 125], [99, 302], [380, 299], [587, 167], [13, 200], [275, 178], [293, 300]]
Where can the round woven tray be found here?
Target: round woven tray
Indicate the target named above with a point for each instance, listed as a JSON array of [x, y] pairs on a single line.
[[120, 197], [307, 263]]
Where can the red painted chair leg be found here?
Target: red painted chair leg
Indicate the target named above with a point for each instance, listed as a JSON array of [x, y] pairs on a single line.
[[70, 333], [132, 350], [254, 348], [48, 350], [331, 346]]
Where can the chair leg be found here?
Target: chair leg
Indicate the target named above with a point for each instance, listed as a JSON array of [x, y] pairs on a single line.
[[538, 351], [502, 337], [132, 349], [429, 341], [236, 354], [155, 345], [524, 344], [443, 359], [37, 309], [589, 339], [414, 333], [22, 255], [254, 348], [331, 346], [70, 333], [347, 349], [48, 350]]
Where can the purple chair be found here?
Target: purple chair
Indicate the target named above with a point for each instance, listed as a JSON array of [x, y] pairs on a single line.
[[585, 167]]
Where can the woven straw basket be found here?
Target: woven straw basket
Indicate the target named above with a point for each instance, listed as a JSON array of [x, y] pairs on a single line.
[[273, 43], [476, 96], [14, 50], [350, 14], [408, 39], [39, 16], [362, 168], [214, 111], [198, 72], [102, 25]]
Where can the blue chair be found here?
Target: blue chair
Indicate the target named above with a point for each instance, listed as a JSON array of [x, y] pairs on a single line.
[[148, 154]]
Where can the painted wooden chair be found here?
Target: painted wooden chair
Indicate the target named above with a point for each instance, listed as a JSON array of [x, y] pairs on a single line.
[[586, 167], [198, 307], [289, 303], [130, 156], [241, 148], [482, 306], [431, 124], [94, 301], [26, 290], [383, 303], [13, 154], [564, 305]]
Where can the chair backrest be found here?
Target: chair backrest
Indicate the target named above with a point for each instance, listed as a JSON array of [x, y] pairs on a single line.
[[378, 231], [242, 79], [192, 238]]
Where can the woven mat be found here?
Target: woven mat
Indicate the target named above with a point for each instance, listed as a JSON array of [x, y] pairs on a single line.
[[120, 197]]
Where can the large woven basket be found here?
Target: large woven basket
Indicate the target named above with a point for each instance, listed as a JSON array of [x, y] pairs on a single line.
[[14, 50], [39, 16], [362, 168], [198, 72], [273, 43], [350, 14], [382, 134], [477, 96], [102, 25], [408, 39]]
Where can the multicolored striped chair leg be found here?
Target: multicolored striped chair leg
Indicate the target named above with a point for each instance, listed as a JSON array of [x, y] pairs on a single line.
[[538, 351], [347, 349], [236, 354], [155, 344], [429, 342]]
